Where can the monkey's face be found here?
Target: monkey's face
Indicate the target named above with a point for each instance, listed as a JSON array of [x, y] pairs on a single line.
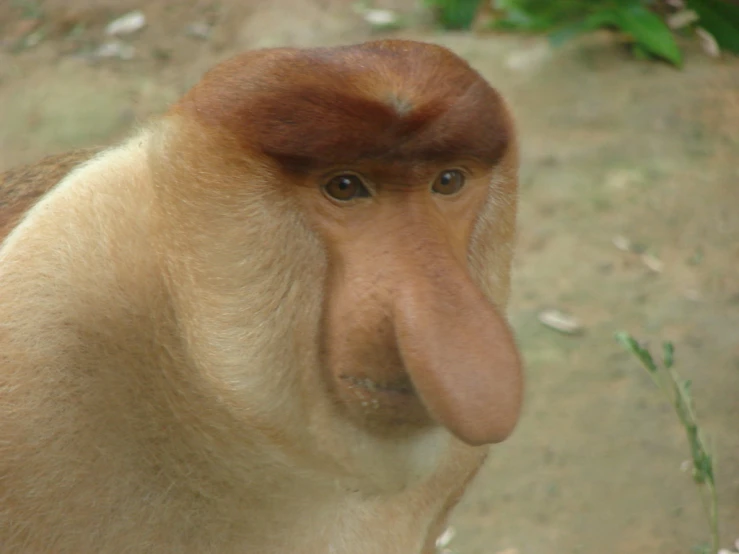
[[409, 339], [372, 189]]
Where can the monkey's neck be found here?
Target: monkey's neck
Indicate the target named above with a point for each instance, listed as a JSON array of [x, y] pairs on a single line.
[[107, 360], [136, 429], [81, 271]]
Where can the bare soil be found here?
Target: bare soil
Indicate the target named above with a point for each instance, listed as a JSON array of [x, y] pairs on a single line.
[[612, 147]]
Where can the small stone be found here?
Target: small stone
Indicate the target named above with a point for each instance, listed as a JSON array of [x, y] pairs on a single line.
[[379, 17], [708, 42], [199, 30], [530, 58], [681, 19], [622, 243], [445, 538], [382, 19], [127, 24], [560, 321], [653, 262], [620, 179]]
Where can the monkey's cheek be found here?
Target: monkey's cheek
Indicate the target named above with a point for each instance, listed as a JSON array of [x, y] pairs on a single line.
[[390, 408]]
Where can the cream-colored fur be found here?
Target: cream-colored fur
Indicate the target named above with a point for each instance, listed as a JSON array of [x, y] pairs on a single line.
[[176, 374], [157, 375]]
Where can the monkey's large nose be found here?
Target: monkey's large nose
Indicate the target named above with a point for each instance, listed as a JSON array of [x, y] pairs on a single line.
[[459, 353]]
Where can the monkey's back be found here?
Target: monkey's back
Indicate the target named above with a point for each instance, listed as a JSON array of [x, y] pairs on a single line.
[[21, 187]]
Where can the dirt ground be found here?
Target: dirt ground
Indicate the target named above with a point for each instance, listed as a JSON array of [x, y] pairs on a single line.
[[613, 148]]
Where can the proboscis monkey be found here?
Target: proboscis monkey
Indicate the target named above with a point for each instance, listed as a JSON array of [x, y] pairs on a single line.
[[269, 322]]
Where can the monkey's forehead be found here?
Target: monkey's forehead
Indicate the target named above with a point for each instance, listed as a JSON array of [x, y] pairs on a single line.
[[383, 100]]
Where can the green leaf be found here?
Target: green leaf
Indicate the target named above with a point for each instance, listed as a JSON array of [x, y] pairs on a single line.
[[721, 19], [668, 356], [641, 53], [632, 346], [568, 32], [650, 32], [593, 21], [702, 549], [455, 14], [521, 20]]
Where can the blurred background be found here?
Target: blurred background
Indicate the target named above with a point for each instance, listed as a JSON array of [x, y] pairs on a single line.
[[629, 121]]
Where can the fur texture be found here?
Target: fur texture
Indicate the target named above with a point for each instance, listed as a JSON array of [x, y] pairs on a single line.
[[164, 384]]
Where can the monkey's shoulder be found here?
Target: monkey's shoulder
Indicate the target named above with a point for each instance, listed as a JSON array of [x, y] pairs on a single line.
[[21, 187]]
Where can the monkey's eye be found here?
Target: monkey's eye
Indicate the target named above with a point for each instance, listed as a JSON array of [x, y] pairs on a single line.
[[448, 182], [345, 187]]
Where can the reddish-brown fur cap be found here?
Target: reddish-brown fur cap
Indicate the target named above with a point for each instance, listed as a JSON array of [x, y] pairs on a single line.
[[389, 101]]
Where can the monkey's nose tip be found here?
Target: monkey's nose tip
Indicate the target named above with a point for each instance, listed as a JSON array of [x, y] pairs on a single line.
[[463, 361]]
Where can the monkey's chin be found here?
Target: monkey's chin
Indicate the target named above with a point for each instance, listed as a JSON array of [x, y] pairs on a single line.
[[383, 465], [394, 443]]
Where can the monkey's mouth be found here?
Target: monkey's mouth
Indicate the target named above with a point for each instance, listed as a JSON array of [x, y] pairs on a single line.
[[383, 404], [401, 386]]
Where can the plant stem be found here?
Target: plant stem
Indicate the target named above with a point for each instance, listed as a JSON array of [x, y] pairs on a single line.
[[677, 393]]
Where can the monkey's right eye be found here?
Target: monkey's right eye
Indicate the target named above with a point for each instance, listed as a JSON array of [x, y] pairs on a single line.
[[346, 187]]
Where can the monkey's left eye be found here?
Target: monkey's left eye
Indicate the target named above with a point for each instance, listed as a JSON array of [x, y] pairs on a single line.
[[448, 182], [346, 187]]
